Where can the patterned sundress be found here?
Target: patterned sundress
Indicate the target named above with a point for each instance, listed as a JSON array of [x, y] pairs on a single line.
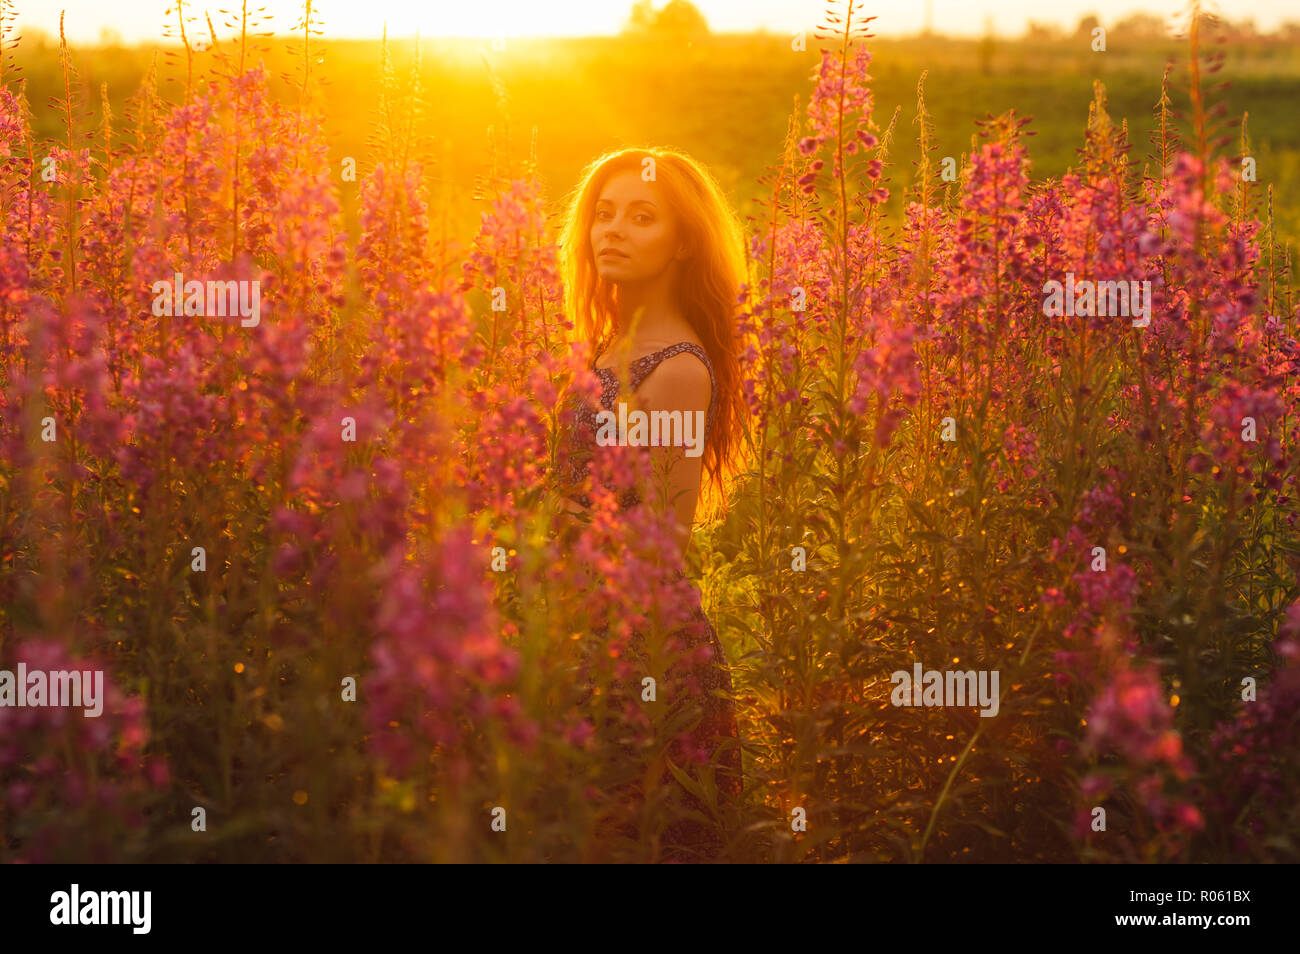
[[684, 840]]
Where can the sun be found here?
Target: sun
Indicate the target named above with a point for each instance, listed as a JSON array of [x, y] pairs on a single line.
[[485, 18]]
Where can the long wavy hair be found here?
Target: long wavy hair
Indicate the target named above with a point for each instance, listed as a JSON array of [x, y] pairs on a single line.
[[707, 292]]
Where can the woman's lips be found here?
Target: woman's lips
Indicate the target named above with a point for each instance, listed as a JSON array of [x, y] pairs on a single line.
[[608, 253]]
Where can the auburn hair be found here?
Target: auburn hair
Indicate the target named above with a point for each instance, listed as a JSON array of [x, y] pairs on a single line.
[[708, 290]]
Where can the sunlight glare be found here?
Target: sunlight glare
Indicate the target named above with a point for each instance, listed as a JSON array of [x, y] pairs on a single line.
[[497, 18]]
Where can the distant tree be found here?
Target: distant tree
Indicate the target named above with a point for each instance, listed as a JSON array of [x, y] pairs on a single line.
[[678, 19], [987, 46], [1087, 25], [1037, 32], [1244, 29], [641, 18], [684, 18], [1140, 26]]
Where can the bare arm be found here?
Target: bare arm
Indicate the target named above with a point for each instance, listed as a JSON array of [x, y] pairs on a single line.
[[680, 383]]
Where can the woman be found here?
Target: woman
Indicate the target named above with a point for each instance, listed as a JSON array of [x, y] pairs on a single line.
[[652, 260]]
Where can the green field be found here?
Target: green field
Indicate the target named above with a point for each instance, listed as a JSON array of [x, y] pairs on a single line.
[[725, 99]]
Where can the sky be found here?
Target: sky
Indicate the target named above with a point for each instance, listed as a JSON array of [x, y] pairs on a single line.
[[141, 20]]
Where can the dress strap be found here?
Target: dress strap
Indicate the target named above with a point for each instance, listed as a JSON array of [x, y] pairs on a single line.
[[641, 368]]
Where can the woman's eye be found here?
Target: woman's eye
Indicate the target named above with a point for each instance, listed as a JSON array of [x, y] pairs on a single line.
[[641, 218]]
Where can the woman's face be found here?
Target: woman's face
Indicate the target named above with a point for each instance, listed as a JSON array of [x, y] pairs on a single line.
[[632, 217]]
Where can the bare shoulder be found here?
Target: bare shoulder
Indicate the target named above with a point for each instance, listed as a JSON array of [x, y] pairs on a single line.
[[678, 383]]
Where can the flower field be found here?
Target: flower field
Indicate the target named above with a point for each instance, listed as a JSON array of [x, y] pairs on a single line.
[[314, 545]]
